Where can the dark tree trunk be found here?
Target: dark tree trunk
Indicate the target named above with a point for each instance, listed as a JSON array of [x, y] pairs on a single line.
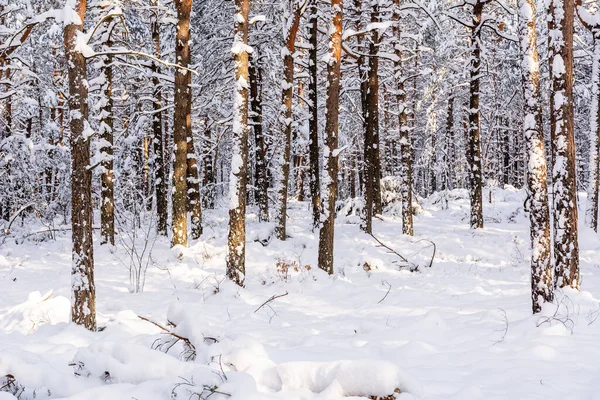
[[160, 176], [474, 150], [313, 123], [260, 175]]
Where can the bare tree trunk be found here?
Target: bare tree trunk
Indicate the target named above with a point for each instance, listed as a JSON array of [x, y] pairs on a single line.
[[539, 212], [236, 241], [474, 150], [566, 247], [313, 123], [330, 151], [181, 122], [287, 96], [83, 301], [160, 177]]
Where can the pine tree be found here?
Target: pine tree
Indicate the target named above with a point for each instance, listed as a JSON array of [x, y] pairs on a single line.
[[326, 234], [539, 212], [236, 241], [83, 302]]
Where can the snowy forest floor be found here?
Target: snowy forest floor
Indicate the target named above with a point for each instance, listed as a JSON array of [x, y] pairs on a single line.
[[461, 329]]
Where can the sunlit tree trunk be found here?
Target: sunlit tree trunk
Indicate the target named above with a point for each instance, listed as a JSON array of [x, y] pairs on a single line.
[[181, 122], [537, 187], [236, 241], [330, 151], [83, 301]]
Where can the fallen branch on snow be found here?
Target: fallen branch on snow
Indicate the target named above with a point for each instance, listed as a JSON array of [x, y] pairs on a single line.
[[270, 300]]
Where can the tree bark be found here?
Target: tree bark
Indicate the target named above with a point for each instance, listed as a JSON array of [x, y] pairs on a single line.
[[236, 241], [566, 247], [181, 122], [404, 130], [290, 31], [474, 150], [260, 176], [193, 188], [160, 177], [83, 300], [313, 123], [107, 212], [330, 150], [537, 187]]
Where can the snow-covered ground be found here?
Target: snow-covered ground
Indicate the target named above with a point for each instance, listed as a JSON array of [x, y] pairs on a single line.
[[461, 329]]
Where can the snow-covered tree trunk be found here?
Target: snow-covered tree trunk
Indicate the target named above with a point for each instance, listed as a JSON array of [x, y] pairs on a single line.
[[313, 122], [537, 187], [260, 175], [450, 145], [160, 176], [181, 122], [330, 150], [193, 187], [591, 22], [373, 107], [236, 241], [83, 301], [371, 145], [404, 130], [474, 150], [566, 247], [107, 177], [591, 211], [290, 30]]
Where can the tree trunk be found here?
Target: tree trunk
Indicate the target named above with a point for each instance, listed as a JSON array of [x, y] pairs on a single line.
[[404, 131], [236, 241], [107, 212], [330, 151], [181, 122], [566, 247], [208, 177], [539, 212], [287, 96], [313, 123], [371, 145], [193, 188], [160, 177], [260, 154], [474, 150], [83, 301], [591, 211]]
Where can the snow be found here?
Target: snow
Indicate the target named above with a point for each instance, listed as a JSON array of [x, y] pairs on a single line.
[[461, 329]]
